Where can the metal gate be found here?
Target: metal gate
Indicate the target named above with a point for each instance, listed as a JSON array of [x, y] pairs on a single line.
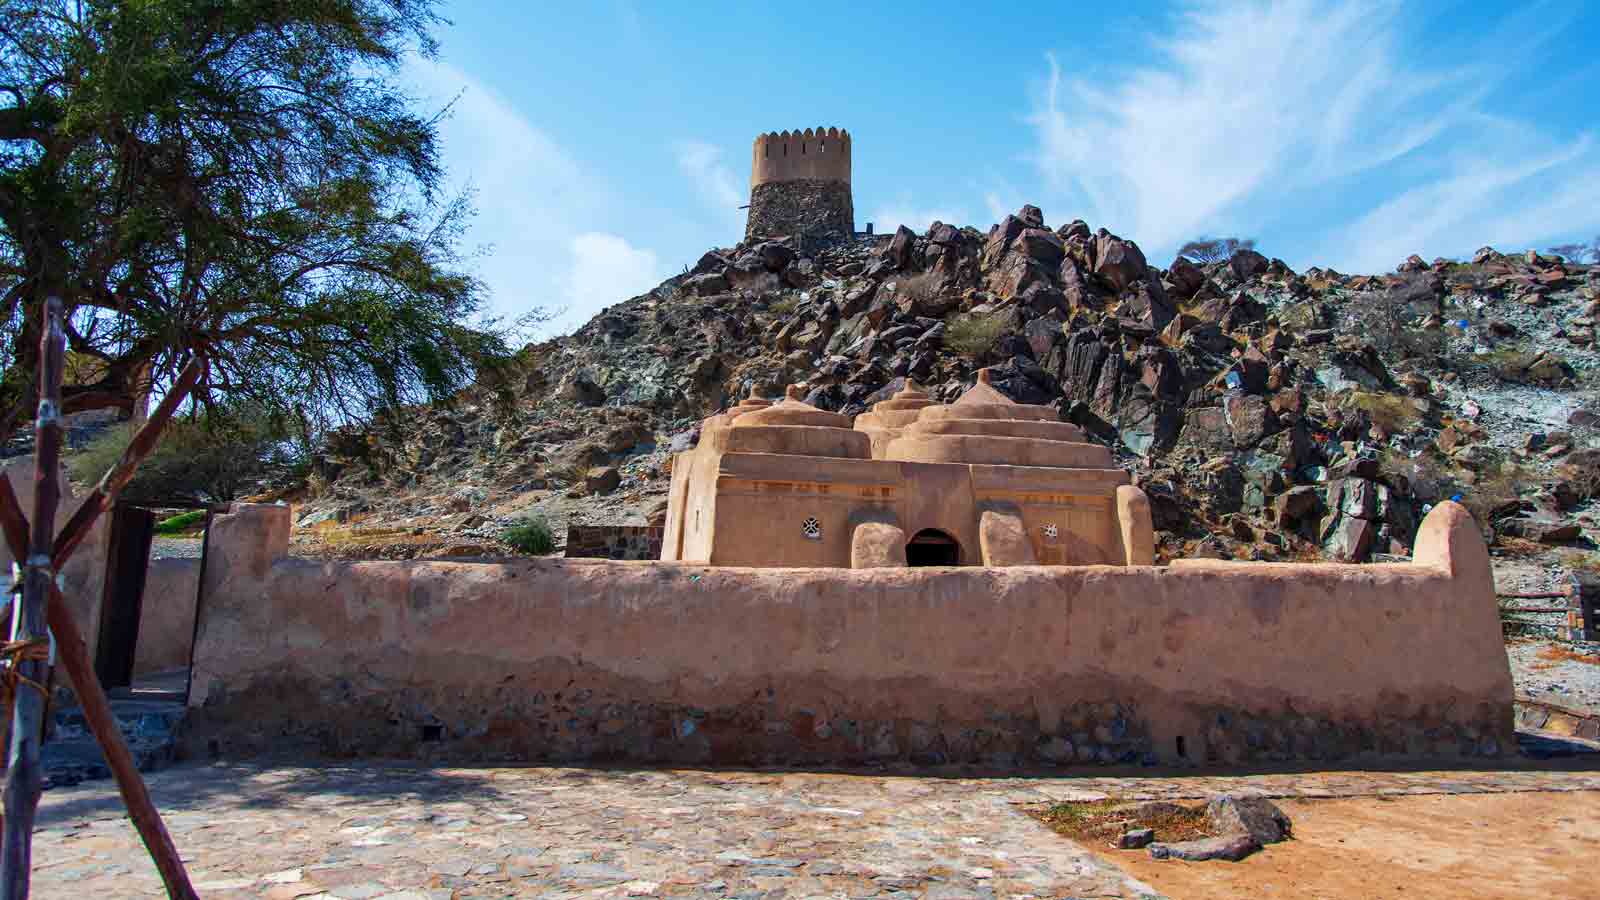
[[127, 558]]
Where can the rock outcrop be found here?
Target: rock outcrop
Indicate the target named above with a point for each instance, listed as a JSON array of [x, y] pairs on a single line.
[[1268, 414]]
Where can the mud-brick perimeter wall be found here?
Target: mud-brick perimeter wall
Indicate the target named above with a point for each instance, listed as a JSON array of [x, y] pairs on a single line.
[[567, 659]]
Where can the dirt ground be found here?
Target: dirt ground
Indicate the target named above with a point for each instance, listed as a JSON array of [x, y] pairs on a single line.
[[1461, 847]]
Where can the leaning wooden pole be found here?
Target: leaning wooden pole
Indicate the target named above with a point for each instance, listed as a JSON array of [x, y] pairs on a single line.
[[104, 495], [74, 652], [24, 774], [142, 810]]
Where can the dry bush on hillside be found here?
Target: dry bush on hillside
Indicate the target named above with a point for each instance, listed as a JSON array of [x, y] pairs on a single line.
[[1526, 367], [923, 286], [973, 335], [1390, 319], [1391, 413], [1205, 250]]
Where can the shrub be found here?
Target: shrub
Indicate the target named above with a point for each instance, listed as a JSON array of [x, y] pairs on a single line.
[[1205, 250], [532, 535], [180, 523], [1579, 252], [212, 456], [1386, 319], [1494, 490], [973, 335], [1581, 561], [921, 287], [1525, 367], [1389, 412], [783, 306]]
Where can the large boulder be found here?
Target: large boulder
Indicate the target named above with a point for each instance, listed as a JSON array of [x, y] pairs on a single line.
[[1078, 292], [1042, 245], [706, 284], [581, 388], [1185, 277], [1148, 304], [1255, 817], [1246, 264], [999, 241], [1118, 261], [774, 255], [899, 251]]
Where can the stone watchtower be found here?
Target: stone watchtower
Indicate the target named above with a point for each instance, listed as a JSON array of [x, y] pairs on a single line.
[[800, 185]]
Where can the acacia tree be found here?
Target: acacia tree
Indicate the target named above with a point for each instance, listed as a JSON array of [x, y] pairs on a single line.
[[1579, 252], [240, 180], [1209, 249]]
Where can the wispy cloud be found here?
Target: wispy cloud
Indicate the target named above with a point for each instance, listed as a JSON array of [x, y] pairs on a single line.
[[1248, 107], [720, 191], [605, 269], [541, 214]]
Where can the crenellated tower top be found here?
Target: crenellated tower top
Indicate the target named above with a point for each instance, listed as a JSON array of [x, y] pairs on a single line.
[[822, 154]]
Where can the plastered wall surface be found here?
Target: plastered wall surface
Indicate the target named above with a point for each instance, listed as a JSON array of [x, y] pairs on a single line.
[[85, 572], [820, 154], [581, 660], [166, 616]]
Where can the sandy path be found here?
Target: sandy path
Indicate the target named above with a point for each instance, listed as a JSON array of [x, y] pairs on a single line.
[[1477, 846]]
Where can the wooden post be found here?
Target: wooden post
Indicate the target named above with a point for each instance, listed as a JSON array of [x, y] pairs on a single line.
[[1583, 607], [97, 712], [74, 652], [24, 776]]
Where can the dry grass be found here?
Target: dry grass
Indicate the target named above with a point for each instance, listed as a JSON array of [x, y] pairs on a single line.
[[1561, 654], [972, 335], [1581, 561], [1390, 412], [784, 306], [924, 286], [1520, 548], [1105, 820], [1494, 488], [1524, 367], [343, 535]]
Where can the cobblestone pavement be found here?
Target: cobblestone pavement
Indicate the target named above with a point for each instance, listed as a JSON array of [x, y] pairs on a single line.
[[374, 830]]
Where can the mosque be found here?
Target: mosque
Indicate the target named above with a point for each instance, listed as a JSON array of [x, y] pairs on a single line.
[[983, 481]]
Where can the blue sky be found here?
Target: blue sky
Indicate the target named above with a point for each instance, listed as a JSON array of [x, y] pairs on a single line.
[[608, 143]]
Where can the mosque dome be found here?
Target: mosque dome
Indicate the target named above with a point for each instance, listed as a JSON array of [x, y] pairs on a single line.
[[986, 427], [792, 427]]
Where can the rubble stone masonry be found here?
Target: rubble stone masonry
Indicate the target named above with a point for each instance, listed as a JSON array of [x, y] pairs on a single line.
[[809, 208]]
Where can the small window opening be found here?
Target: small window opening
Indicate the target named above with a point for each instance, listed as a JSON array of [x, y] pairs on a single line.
[[932, 547], [1183, 751], [432, 733], [811, 528]]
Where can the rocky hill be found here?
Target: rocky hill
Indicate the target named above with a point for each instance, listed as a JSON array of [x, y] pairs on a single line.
[[1269, 414]]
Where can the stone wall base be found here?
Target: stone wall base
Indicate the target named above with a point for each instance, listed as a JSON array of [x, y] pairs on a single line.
[[808, 209]]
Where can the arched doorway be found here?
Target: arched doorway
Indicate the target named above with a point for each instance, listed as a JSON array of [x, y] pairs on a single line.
[[932, 547]]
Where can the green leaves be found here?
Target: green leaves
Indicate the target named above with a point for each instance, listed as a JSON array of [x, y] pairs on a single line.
[[240, 179]]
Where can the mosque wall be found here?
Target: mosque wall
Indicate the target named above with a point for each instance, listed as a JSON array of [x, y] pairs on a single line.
[[550, 659]]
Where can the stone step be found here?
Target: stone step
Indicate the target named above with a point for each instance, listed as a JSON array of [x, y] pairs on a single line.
[[148, 726]]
